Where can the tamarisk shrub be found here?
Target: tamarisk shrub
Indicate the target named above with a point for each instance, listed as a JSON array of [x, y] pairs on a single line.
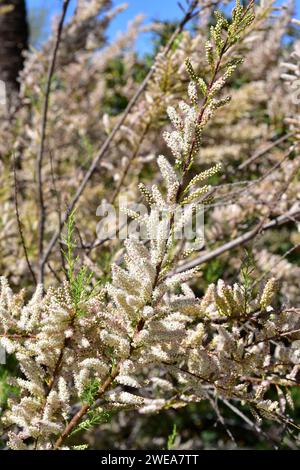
[[145, 341]]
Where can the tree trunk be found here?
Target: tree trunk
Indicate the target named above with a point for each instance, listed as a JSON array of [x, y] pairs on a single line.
[[13, 40]]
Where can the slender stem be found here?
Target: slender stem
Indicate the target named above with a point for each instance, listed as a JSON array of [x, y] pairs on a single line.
[[40, 156], [188, 160], [58, 201], [241, 240], [129, 163], [83, 410], [57, 368], [20, 228], [16, 336], [265, 150]]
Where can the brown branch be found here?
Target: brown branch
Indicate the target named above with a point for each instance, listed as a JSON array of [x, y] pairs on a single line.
[[39, 161], [83, 410], [16, 336], [20, 228], [52, 270], [58, 203], [273, 337], [214, 404], [57, 368], [129, 163], [265, 150], [239, 241], [229, 197], [247, 420], [117, 190], [285, 255]]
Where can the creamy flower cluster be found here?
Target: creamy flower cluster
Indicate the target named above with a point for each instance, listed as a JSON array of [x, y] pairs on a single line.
[[225, 342]]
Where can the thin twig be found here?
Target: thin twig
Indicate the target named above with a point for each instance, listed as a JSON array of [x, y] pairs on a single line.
[[229, 197], [244, 238], [53, 271], [276, 264], [241, 240], [129, 163], [58, 201], [39, 161], [20, 228], [83, 410], [265, 150], [248, 421], [214, 404], [16, 336], [273, 337]]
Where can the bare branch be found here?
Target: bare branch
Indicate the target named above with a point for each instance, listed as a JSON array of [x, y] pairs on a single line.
[[265, 150], [241, 240], [20, 228], [39, 161]]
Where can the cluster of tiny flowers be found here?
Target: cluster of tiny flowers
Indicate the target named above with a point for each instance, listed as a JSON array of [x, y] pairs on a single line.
[[142, 329]]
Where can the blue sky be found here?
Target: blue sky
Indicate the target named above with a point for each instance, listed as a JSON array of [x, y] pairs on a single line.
[[159, 9]]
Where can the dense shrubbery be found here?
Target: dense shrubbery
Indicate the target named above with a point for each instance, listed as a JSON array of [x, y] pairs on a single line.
[[106, 335]]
